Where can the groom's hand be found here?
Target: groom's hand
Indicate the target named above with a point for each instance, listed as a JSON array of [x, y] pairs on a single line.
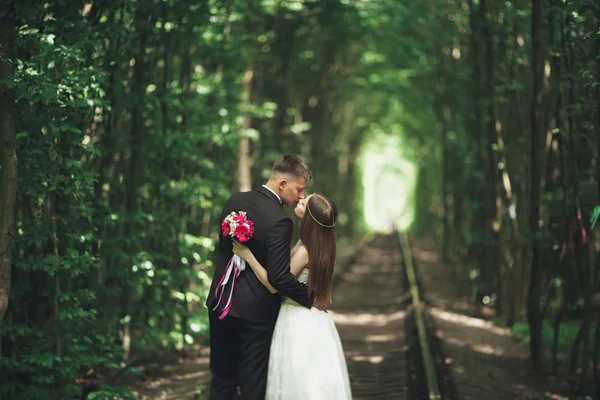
[[321, 307]]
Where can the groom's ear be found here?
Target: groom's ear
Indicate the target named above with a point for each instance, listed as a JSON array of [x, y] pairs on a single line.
[[282, 183]]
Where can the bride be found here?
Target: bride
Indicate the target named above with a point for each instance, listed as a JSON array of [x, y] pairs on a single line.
[[306, 360]]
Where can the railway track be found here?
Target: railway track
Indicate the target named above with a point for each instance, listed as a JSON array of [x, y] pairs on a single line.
[[389, 341]]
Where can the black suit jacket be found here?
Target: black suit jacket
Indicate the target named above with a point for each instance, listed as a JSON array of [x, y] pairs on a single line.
[[271, 247]]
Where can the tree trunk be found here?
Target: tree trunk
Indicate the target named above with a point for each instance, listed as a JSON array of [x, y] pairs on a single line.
[[286, 41], [8, 156], [596, 359], [245, 160], [574, 356], [533, 307], [493, 205], [558, 35], [446, 191], [478, 249], [556, 328], [598, 114], [134, 170]]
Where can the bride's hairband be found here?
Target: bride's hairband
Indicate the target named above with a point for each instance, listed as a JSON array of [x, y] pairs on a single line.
[[313, 217]]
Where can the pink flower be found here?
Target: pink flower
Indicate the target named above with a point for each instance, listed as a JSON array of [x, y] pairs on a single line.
[[54, 218], [225, 228], [244, 232], [239, 219]]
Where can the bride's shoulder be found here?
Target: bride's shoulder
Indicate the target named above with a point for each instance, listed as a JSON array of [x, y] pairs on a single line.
[[302, 249], [302, 252]]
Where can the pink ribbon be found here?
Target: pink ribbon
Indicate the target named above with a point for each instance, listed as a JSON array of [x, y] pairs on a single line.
[[234, 267]]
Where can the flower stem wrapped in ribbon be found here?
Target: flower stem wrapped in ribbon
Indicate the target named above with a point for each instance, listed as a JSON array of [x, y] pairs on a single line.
[[237, 226]]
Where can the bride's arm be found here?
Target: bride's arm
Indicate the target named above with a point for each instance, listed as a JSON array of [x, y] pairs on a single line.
[[296, 247], [298, 262], [261, 273]]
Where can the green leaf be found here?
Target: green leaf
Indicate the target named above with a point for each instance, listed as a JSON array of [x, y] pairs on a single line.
[[595, 215]]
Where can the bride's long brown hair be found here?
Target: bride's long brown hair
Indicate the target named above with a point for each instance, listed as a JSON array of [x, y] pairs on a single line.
[[318, 235]]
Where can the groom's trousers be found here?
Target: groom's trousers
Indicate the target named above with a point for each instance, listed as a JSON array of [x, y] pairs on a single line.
[[239, 356]]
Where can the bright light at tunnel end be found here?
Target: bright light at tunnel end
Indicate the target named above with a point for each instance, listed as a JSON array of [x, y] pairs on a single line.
[[389, 181]]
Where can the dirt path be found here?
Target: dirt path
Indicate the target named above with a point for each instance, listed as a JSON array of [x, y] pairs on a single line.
[[177, 378], [486, 362]]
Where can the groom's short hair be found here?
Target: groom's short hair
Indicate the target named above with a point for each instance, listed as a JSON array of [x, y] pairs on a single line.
[[291, 165]]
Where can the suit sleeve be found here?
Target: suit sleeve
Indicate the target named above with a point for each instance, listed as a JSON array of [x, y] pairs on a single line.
[[278, 264]]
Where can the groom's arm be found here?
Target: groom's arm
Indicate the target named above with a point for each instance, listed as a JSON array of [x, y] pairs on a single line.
[[278, 264]]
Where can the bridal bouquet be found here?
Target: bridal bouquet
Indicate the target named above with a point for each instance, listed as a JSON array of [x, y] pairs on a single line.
[[237, 226]]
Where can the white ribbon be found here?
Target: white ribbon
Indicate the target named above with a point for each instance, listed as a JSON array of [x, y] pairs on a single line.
[[238, 263]]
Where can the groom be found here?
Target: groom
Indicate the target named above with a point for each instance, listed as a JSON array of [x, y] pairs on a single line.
[[240, 342]]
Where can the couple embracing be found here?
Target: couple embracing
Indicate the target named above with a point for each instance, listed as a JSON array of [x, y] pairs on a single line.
[[274, 339]]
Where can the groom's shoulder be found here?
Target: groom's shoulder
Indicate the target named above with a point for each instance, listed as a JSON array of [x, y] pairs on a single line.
[[241, 201], [240, 196], [255, 202]]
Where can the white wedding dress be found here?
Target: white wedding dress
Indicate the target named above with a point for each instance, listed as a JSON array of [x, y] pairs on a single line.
[[307, 361]]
